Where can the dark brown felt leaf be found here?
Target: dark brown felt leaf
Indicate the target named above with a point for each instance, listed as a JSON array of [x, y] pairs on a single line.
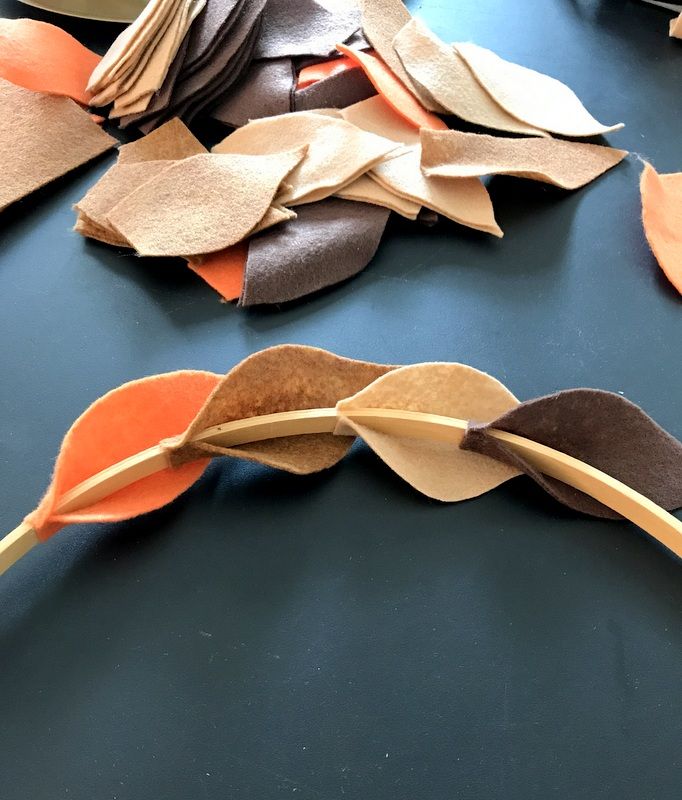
[[600, 428], [263, 91]]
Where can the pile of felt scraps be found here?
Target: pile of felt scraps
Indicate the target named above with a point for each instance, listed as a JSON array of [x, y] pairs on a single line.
[[662, 218]]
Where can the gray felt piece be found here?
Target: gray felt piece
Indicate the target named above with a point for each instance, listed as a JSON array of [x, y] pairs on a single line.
[[328, 242], [209, 31], [264, 90], [601, 428], [338, 91], [304, 27]]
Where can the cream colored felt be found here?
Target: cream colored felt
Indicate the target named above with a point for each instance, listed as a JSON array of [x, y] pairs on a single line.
[[376, 116], [366, 190]]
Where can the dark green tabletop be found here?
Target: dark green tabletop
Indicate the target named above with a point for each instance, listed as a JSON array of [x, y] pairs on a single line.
[[340, 636]]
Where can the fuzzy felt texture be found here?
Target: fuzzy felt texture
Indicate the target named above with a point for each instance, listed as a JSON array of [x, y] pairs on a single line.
[[366, 190], [600, 428], [265, 90], [337, 91], [210, 32], [376, 116], [531, 96], [170, 142], [322, 70], [224, 270], [676, 27], [439, 470], [570, 165], [43, 137], [662, 218], [43, 57], [328, 242]]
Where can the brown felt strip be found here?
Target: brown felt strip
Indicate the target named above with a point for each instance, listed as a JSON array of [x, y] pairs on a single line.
[[376, 116], [265, 90], [328, 242], [338, 91], [570, 165], [366, 190], [438, 469], [600, 428], [283, 378], [210, 31], [170, 142], [42, 137]]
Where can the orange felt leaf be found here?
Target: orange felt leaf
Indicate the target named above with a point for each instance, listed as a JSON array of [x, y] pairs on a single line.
[[662, 218], [120, 424], [318, 72], [44, 58], [392, 90], [224, 270]]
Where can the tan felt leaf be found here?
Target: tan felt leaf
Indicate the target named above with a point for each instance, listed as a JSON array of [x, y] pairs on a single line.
[[338, 152], [436, 469], [366, 190], [42, 138], [283, 378], [170, 142], [443, 73], [376, 116], [570, 165], [273, 216], [203, 203], [91, 230], [532, 96], [466, 201], [676, 27]]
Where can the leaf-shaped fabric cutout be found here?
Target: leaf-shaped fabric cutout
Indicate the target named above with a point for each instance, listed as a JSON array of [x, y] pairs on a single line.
[[437, 469], [376, 116], [662, 218], [600, 428], [224, 270], [282, 378], [366, 190], [123, 422], [676, 27], [265, 90], [338, 91], [169, 142], [531, 96]]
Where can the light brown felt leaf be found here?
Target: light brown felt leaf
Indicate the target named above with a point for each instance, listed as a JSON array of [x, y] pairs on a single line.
[[366, 190], [531, 96], [169, 142], [437, 469], [283, 378], [202, 204], [90, 230], [274, 216], [376, 116], [467, 201], [676, 27], [42, 137], [570, 165], [338, 152], [437, 67]]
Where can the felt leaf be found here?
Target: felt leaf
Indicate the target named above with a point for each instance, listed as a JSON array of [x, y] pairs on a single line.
[[328, 242], [42, 137], [365, 190], [570, 165], [600, 428], [265, 90], [338, 91], [440, 70], [464, 200], [323, 70], [210, 32], [662, 218], [531, 96], [224, 270], [338, 152], [282, 378], [89, 229], [44, 58], [376, 116], [305, 27], [170, 142], [401, 100], [120, 424], [440, 470], [676, 27], [201, 204], [275, 215]]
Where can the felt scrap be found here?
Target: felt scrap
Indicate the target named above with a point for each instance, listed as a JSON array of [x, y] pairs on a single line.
[[209, 32], [338, 91], [282, 378], [91, 230], [201, 204], [328, 242], [323, 69], [44, 58], [120, 424], [224, 270], [440, 470], [465, 201], [365, 190], [263, 91], [676, 27], [662, 218], [42, 137], [393, 91], [531, 96], [600, 428], [376, 116], [305, 27], [570, 165], [170, 142], [338, 152], [274, 216], [440, 70]]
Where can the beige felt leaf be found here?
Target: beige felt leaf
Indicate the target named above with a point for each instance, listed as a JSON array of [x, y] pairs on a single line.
[[531, 96], [376, 116], [338, 152], [366, 190], [465, 201], [676, 27], [169, 142], [443, 73], [91, 230], [202, 204], [437, 469], [283, 378], [274, 216], [570, 165]]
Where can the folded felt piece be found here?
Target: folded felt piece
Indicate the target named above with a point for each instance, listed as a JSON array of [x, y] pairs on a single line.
[[337, 91], [328, 242], [662, 218], [531, 96], [570, 165], [43, 57], [264, 90], [338, 152], [366, 190], [42, 137]]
